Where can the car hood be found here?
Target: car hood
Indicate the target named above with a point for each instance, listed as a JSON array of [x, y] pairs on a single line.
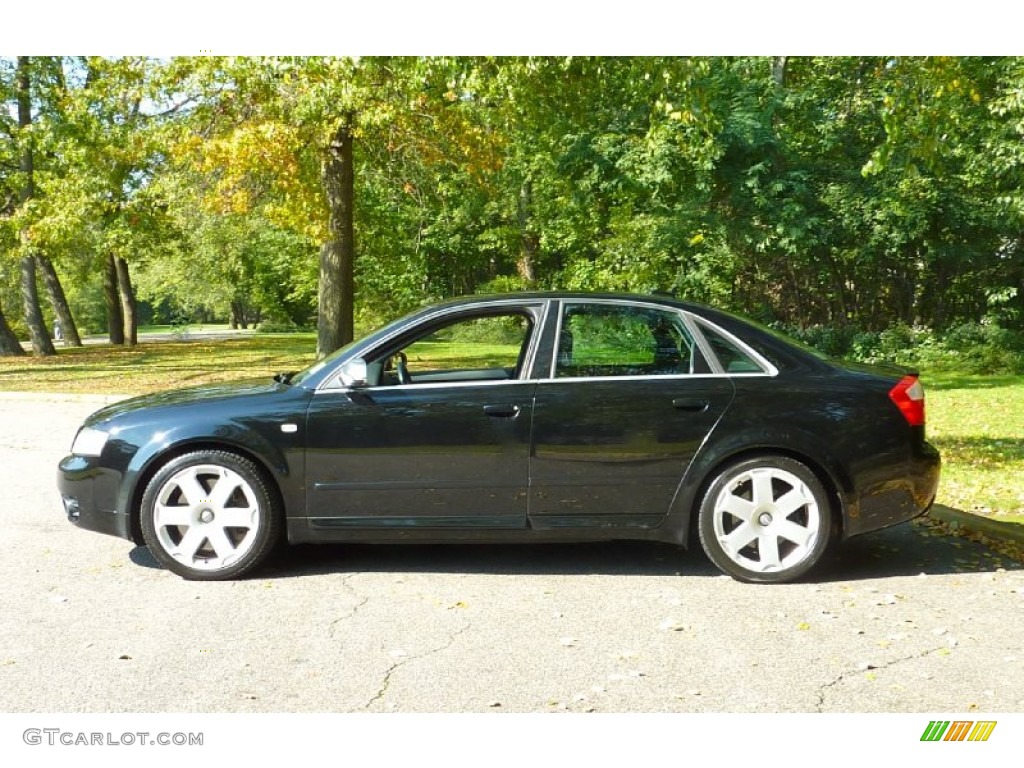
[[186, 397]]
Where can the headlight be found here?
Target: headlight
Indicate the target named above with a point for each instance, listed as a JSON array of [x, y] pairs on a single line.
[[89, 442]]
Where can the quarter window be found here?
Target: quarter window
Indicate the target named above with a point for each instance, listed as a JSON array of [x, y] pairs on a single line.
[[730, 356]]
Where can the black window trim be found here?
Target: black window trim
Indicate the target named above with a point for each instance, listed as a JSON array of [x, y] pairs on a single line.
[[537, 310], [691, 321]]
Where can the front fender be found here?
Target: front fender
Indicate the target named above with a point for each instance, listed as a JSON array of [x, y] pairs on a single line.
[[281, 457]]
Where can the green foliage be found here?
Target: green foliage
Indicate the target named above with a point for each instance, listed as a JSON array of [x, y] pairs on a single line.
[[972, 347], [839, 195]]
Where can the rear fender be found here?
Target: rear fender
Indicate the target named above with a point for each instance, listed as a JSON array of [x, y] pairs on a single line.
[[795, 443]]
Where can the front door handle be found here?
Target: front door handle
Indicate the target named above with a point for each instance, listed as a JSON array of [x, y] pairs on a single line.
[[502, 411], [692, 404]]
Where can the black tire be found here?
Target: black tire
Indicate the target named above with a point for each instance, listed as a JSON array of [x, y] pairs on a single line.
[[210, 516], [787, 525]]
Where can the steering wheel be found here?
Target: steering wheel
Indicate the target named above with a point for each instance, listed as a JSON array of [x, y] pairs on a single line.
[[402, 368]]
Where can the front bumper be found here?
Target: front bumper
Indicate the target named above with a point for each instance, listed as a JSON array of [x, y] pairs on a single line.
[[89, 493]]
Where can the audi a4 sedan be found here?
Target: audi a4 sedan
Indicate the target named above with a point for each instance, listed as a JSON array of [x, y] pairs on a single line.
[[526, 417]]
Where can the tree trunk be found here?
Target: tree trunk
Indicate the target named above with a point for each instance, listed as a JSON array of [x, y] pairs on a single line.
[[41, 343], [238, 315], [779, 70], [59, 302], [529, 243], [115, 319], [37, 331], [9, 344], [335, 326], [124, 285]]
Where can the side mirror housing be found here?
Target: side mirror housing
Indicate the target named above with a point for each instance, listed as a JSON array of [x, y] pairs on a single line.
[[353, 373]]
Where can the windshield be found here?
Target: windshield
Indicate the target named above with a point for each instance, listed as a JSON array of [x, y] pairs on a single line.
[[319, 365]]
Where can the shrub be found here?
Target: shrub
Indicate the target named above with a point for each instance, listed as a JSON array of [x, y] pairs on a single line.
[[971, 347]]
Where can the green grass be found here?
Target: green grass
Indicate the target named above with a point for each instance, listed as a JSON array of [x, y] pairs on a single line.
[[156, 366], [146, 330], [977, 422], [430, 355]]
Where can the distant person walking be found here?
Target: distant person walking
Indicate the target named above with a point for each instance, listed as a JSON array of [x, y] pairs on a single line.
[[58, 334]]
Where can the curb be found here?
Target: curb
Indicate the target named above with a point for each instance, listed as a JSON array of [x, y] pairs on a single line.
[[977, 524]]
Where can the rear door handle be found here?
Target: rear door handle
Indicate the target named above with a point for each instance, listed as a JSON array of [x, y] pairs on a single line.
[[692, 404], [502, 411]]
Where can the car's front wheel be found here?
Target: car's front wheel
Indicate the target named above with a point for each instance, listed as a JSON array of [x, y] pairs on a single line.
[[210, 515], [765, 519]]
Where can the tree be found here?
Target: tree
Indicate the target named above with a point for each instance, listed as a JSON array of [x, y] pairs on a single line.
[[319, 110], [37, 85], [9, 344], [33, 315]]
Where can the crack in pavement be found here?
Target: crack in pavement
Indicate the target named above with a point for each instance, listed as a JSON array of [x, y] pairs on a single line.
[[355, 609], [823, 688], [394, 667]]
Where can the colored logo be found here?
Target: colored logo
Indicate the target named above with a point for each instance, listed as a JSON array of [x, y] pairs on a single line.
[[958, 730]]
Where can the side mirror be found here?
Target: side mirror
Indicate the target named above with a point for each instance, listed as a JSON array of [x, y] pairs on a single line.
[[353, 373]]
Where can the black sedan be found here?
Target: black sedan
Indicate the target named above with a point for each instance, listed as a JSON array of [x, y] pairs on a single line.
[[526, 417]]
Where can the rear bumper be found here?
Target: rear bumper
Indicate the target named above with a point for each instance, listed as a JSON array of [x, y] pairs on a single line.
[[89, 495], [900, 497]]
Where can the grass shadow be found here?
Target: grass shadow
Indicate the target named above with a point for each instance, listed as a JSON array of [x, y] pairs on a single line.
[[993, 452]]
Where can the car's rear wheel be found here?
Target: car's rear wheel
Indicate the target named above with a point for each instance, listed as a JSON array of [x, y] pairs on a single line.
[[210, 515], [765, 519]]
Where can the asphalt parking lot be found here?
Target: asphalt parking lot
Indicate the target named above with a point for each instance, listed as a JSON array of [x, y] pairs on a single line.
[[905, 620]]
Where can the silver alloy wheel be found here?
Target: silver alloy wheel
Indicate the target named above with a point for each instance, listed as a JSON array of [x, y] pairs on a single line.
[[206, 517], [766, 519]]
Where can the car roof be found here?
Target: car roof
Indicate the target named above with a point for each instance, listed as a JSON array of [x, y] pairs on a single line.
[[650, 298]]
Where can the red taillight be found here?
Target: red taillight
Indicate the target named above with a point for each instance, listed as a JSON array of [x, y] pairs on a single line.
[[908, 395]]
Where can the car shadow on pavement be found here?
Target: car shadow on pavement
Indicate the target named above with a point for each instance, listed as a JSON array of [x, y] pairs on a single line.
[[611, 558], [142, 557], [904, 550], [909, 550]]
